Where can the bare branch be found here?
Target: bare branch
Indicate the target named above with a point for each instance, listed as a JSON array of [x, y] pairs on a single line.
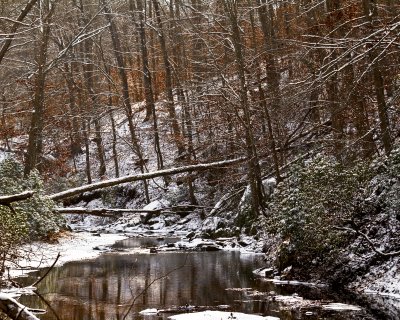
[[14, 28]]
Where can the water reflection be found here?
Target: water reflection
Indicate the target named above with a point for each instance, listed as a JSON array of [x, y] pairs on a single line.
[[104, 288]]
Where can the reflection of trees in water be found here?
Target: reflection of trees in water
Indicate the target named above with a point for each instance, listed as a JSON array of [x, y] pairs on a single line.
[[103, 288]]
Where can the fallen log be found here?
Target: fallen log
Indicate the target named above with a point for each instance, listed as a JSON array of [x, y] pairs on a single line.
[[143, 176], [7, 200], [102, 212], [14, 309]]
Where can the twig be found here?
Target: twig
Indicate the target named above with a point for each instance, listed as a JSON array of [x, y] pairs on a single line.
[[47, 272], [47, 304]]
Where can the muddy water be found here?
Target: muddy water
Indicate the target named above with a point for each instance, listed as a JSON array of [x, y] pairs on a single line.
[[119, 286]]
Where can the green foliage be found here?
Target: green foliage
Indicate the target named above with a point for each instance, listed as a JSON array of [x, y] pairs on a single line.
[[26, 220], [315, 197], [384, 189]]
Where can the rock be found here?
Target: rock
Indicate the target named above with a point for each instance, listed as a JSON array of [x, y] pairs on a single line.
[[268, 272], [191, 235], [287, 273], [153, 250], [208, 247], [100, 248]]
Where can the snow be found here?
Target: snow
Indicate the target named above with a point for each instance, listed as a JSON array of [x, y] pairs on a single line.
[[149, 311], [217, 315], [297, 283], [383, 294], [72, 247], [157, 205], [340, 307]]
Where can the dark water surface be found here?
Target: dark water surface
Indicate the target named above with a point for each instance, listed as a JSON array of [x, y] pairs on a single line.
[[106, 287]]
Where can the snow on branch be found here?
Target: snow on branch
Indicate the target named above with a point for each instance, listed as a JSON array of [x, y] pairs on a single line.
[[14, 309], [142, 176], [14, 28], [7, 200]]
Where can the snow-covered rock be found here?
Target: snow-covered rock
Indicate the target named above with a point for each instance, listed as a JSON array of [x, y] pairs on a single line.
[[153, 206]]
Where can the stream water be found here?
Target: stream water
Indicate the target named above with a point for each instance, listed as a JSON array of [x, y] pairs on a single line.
[[116, 285]]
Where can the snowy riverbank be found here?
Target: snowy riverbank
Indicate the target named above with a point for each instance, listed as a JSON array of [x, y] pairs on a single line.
[[71, 246]]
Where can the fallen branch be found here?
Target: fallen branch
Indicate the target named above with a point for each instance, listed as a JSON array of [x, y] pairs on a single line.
[[7, 200], [143, 176], [102, 212], [371, 244], [14, 309], [113, 212]]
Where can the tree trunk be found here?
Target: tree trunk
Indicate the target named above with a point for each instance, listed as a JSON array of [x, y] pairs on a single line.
[[114, 142], [264, 107], [88, 168], [35, 140], [89, 77], [125, 92], [254, 174], [74, 112], [168, 82], [357, 105], [147, 82], [371, 15], [332, 87]]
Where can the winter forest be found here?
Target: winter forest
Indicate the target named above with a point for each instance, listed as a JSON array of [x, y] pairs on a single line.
[[265, 126]]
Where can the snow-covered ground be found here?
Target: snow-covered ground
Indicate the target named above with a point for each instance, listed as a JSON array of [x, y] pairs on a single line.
[[71, 247]]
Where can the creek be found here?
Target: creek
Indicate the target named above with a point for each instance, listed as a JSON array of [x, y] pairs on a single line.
[[118, 284]]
